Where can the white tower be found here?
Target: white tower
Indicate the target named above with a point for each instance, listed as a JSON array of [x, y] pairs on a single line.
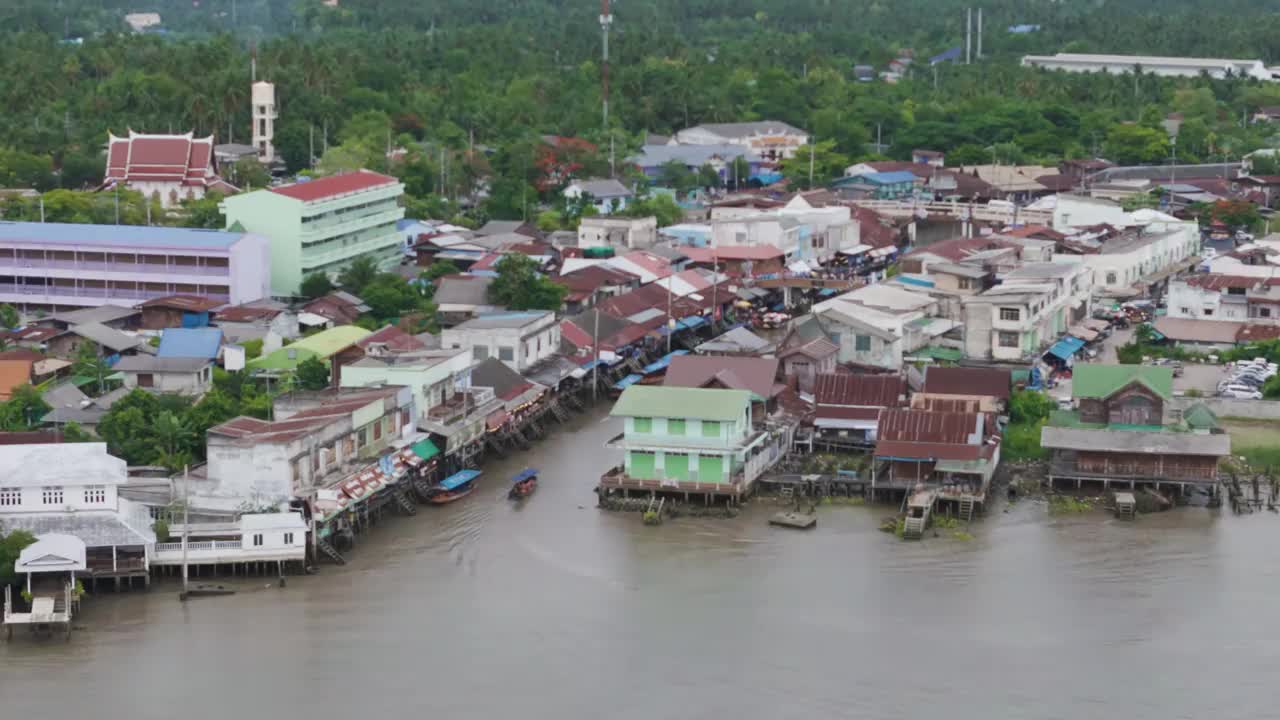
[[264, 120]]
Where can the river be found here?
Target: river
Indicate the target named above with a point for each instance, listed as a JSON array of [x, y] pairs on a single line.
[[554, 609]]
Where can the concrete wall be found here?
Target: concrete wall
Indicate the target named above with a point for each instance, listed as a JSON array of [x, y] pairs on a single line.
[[1232, 407], [279, 219], [250, 263], [193, 383]]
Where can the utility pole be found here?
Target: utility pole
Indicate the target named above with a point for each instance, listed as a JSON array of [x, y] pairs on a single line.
[[595, 367], [979, 33], [606, 19], [671, 322], [968, 35], [812, 151], [311, 145], [186, 525]]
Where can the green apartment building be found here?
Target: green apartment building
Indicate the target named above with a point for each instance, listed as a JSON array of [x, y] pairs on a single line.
[[322, 225], [683, 438]]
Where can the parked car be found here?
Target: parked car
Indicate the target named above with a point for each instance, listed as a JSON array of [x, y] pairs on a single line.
[[1240, 392]]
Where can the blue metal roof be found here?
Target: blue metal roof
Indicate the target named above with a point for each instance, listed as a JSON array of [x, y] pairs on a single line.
[[525, 474], [123, 236], [459, 479], [946, 55], [627, 381], [189, 343], [1066, 347], [889, 178], [662, 363]]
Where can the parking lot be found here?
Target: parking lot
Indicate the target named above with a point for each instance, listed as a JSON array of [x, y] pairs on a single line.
[[1202, 378]]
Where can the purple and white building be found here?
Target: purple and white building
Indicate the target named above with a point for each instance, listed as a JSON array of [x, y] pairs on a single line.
[[73, 265]]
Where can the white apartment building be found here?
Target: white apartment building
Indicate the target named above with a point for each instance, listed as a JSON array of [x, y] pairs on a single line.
[[520, 339], [618, 232], [1217, 68], [878, 325], [1156, 250], [72, 489], [1032, 308]]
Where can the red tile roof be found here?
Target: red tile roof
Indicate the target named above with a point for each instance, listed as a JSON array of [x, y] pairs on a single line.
[[734, 373], [334, 185], [857, 397], [395, 340], [593, 277], [189, 303], [991, 382], [957, 249], [1255, 332], [925, 435], [246, 313], [183, 159], [1217, 281], [737, 252], [1027, 231]]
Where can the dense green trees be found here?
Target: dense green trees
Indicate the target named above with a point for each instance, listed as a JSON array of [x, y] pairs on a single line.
[[462, 93], [519, 286]]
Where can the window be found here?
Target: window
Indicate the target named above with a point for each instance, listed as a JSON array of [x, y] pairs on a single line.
[[146, 380], [94, 494], [1010, 314], [377, 430], [1111, 278], [710, 429], [1235, 291], [10, 497], [288, 538], [1185, 310], [675, 427], [257, 540], [1208, 312], [364, 437], [1264, 312], [966, 283], [480, 352], [1008, 339], [861, 343], [644, 425], [506, 354], [52, 495]]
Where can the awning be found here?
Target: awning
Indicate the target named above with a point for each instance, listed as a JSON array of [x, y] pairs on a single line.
[[1066, 347], [883, 252], [855, 250], [1084, 333], [459, 479], [967, 467], [1096, 324], [425, 449], [799, 267], [627, 381], [307, 318]]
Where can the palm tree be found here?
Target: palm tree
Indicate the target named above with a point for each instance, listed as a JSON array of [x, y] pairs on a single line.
[[174, 435]]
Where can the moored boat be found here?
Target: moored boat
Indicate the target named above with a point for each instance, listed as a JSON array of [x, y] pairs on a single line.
[[523, 484], [454, 487]]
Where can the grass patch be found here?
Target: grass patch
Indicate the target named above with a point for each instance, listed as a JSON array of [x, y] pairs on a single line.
[[1065, 504], [1254, 440], [961, 535], [945, 523]]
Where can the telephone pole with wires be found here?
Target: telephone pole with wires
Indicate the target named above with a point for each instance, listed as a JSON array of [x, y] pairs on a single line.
[[606, 20]]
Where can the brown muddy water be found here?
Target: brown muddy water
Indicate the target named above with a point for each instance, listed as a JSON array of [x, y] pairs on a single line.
[[485, 609]]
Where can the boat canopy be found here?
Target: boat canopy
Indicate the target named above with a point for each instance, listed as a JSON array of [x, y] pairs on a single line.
[[525, 474], [459, 479]]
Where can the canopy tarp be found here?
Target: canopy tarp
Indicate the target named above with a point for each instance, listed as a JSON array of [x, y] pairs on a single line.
[[459, 479], [1066, 347]]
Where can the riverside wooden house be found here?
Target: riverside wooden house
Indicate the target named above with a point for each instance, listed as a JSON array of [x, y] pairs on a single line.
[[690, 441], [1123, 429]]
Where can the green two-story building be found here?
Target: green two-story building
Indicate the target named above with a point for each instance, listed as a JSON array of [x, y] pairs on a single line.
[[684, 439]]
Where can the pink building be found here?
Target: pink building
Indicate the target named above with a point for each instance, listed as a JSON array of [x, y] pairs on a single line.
[[61, 264]]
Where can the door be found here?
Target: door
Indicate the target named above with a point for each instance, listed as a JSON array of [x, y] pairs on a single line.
[[642, 465], [146, 380], [710, 468]]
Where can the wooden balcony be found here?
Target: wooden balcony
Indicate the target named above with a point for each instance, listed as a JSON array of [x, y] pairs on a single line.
[[618, 479]]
